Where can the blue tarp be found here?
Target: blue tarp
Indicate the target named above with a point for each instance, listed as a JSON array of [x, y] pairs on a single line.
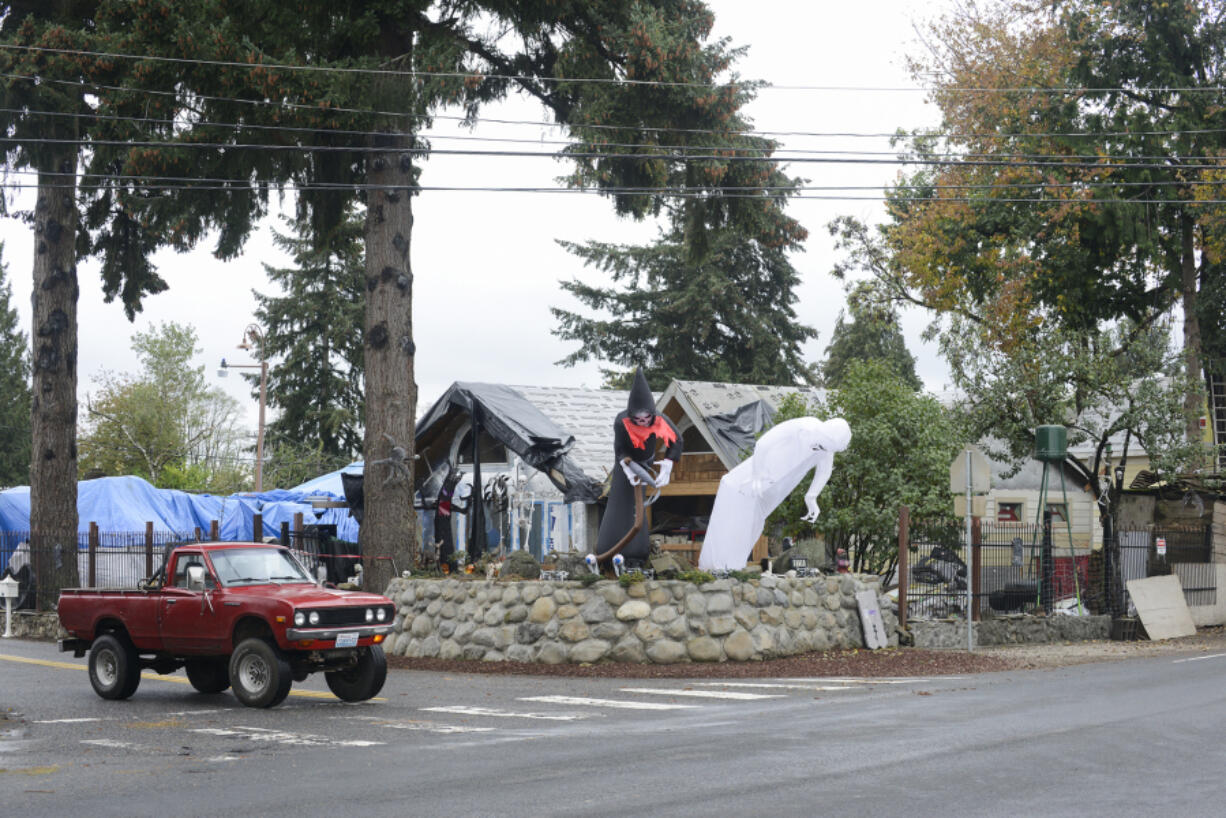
[[125, 504]]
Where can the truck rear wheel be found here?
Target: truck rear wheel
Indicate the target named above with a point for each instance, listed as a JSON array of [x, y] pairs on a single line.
[[208, 675], [259, 673], [362, 681], [114, 667]]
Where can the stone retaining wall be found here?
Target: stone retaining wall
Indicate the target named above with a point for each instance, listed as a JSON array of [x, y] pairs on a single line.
[[1011, 630], [31, 625], [657, 621]]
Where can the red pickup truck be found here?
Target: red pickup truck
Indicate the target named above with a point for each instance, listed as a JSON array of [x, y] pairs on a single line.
[[241, 614]]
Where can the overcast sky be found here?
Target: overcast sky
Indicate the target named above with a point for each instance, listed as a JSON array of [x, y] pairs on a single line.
[[486, 265]]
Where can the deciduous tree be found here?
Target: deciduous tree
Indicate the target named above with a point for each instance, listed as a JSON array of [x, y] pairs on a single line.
[[902, 443]]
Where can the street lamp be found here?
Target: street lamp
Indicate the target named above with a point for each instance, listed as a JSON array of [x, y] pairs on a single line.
[[253, 339]]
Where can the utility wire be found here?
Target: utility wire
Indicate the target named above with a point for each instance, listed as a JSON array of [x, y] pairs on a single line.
[[194, 182], [673, 193], [315, 108], [776, 154], [756, 84]]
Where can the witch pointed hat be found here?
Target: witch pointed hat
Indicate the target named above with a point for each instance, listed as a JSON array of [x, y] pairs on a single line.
[[641, 399]]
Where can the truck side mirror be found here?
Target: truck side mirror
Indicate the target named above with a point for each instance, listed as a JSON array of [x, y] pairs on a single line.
[[195, 577]]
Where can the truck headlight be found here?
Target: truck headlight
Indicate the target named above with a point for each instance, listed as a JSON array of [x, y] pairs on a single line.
[[299, 618], [313, 618], [370, 614], [381, 614]]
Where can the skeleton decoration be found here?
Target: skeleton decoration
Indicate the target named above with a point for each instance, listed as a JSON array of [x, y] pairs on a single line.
[[752, 490], [636, 434]]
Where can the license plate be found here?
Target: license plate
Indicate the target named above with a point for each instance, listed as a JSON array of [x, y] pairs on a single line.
[[346, 640]]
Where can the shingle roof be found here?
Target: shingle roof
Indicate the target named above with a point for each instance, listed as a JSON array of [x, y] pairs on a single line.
[[585, 413]]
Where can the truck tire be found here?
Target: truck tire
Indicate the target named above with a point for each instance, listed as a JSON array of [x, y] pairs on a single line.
[[362, 681], [210, 675], [259, 673], [114, 667]]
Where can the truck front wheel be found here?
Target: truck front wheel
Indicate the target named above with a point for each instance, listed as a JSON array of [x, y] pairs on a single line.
[[362, 681], [259, 673], [208, 675], [114, 667]]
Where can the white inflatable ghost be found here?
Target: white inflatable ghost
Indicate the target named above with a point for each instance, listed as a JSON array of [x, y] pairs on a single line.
[[752, 490]]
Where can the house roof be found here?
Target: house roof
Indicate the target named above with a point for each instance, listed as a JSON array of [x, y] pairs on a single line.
[[729, 415], [588, 415]]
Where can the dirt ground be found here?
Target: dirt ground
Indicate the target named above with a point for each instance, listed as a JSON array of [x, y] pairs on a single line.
[[892, 662]]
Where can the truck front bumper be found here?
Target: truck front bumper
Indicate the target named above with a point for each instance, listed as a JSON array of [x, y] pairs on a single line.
[[363, 632]]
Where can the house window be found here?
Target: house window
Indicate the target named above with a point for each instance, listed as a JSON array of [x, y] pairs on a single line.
[[1059, 513], [1008, 512]]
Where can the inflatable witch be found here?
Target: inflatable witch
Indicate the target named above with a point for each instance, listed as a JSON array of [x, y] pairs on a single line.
[[636, 434], [752, 490]]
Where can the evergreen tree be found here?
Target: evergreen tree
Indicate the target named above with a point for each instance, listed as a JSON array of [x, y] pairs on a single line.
[[872, 333], [713, 297], [725, 316], [14, 390], [315, 330]]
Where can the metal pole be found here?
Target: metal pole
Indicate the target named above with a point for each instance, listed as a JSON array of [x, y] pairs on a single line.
[[259, 438], [970, 596]]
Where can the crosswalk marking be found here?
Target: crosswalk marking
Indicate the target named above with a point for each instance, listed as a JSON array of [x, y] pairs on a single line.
[[64, 721], [614, 703], [112, 743], [863, 681], [463, 710], [702, 694], [419, 725], [282, 737], [776, 686]]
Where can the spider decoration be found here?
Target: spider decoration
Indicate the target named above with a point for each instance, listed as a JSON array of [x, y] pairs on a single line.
[[397, 461]]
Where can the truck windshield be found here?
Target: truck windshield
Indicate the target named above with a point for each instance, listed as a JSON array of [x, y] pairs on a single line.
[[256, 566]]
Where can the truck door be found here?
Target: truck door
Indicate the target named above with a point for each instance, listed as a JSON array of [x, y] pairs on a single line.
[[187, 618]]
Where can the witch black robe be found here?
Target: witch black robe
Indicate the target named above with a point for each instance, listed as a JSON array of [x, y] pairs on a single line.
[[619, 513]]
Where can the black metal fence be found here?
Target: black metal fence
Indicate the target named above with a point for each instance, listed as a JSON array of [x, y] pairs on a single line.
[[1016, 568]]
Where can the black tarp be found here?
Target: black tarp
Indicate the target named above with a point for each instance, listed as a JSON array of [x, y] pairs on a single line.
[[736, 432], [512, 420]]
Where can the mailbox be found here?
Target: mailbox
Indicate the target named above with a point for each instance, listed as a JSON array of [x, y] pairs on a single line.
[[9, 587]]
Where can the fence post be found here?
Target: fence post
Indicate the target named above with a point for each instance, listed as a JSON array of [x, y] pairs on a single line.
[[149, 548], [904, 544], [199, 534], [93, 555], [214, 530], [298, 530], [285, 540], [257, 528], [976, 565], [1047, 565]]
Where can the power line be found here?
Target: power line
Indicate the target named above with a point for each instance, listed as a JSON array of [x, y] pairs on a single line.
[[193, 182], [316, 109], [522, 78], [1070, 162], [715, 193]]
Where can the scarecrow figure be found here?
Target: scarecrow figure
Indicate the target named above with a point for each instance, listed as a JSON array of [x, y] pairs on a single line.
[[636, 434], [752, 490]]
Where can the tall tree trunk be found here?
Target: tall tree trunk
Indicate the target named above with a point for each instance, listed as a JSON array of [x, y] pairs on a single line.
[[388, 530], [53, 418], [1194, 399]]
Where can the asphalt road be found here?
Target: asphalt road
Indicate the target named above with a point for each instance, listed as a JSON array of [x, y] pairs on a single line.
[[1125, 738]]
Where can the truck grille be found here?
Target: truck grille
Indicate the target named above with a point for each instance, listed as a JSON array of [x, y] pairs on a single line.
[[340, 617]]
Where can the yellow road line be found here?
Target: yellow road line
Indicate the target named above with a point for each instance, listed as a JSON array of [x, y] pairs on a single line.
[[302, 694]]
